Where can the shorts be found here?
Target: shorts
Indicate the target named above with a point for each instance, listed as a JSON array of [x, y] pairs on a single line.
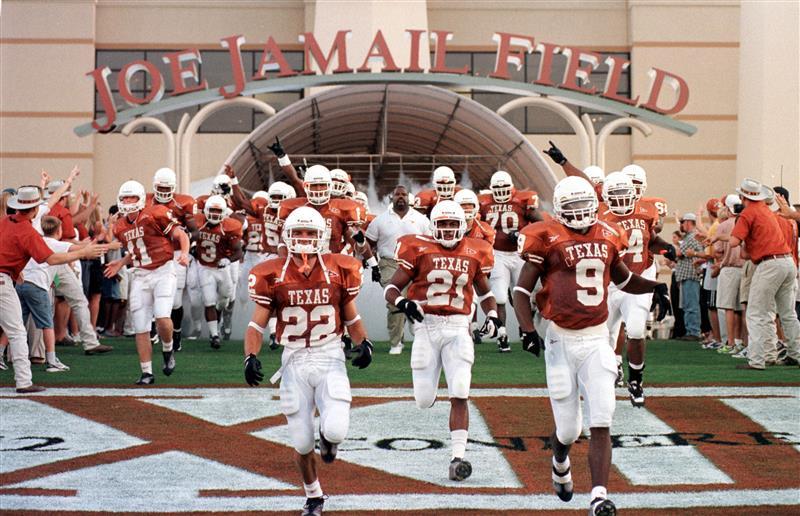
[[151, 294], [35, 301], [709, 299], [747, 277], [505, 273], [728, 288]]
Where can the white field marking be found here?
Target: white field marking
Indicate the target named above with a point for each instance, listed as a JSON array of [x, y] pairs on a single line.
[[107, 501], [676, 465], [776, 415], [403, 392], [400, 439], [218, 409], [56, 435]]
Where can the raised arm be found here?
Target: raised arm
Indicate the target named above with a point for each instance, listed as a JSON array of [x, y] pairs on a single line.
[[287, 168]]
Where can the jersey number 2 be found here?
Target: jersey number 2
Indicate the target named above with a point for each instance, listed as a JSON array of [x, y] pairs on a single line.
[[441, 282], [297, 319]]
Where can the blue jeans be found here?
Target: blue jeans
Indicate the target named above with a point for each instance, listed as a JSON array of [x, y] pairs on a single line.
[[690, 304]]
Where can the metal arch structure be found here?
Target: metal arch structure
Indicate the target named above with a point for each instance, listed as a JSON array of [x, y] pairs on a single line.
[[162, 127], [416, 127], [600, 150]]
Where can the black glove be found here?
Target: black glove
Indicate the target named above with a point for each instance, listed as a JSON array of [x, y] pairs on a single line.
[[670, 254], [193, 248], [252, 370], [532, 342], [277, 148], [363, 354], [491, 326], [358, 236], [348, 346], [411, 309], [661, 301], [555, 153], [376, 274], [514, 236]]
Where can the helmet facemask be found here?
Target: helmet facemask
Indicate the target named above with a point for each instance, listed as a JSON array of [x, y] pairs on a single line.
[[338, 188], [449, 231], [445, 188], [579, 213], [126, 207], [621, 200], [163, 192], [470, 210], [303, 239], [215, 215], [318, 196]]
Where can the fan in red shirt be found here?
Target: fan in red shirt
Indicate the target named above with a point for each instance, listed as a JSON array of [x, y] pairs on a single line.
[[575, 257], [149, 233]]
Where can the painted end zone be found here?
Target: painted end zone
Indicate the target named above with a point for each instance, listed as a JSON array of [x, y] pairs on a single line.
[[706, 451]]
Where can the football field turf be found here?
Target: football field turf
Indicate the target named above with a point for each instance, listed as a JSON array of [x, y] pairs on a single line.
[[712, 440]]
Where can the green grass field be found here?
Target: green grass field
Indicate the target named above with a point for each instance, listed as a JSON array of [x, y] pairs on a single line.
[[668, 363]]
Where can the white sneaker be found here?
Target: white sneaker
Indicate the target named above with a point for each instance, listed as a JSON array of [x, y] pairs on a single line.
[[396, 350], [3, 365], [56, 366], [741, 354]]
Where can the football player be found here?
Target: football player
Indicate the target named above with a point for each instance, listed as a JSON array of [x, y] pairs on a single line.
[[254, 241], [444, 273], [507, 210], [444, 188], [219, 244], [149, 234], [638, 220], [576, 257], [182, 207], [313, 296], [361, 198], [340, 180]]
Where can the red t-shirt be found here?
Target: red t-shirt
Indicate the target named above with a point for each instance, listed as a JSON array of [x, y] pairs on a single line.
[[760, 232], [19, 242], [789, 230], [67, 227]]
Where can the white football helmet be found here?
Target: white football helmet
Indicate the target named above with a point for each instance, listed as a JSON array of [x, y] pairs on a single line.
[[448, 211], [444, 182], [468, 202], [619, 194], [362, 198], [215, 209], [318, 175], [339, 181], [350, 191], [261, 194], [502, 186], [732, 200], [131, 189], [595, 174], [307, 218], [164, 184], [222, 185], [575, 203], [639, 178], [279, 191]]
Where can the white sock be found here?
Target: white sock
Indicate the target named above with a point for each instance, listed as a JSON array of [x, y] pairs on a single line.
[[738, 342], [599, 492], [51, 357], [313, 490], [635, 366], [166, 347], [213, 328], [619, 359], [147, 367], [458, 438], [561, 467]]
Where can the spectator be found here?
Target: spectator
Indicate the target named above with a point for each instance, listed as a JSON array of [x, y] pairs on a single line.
[[729, 269], [709, 290], [686, 274], [774, 278], [382, 234], [679, 329]]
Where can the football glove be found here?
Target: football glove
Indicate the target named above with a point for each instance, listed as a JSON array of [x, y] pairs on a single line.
[[347, 345], [224, 262], [363, 354], [376, 274], [410, 308], [513, 236], [358, 236], [555, 153], [670, 254], [492, 326], [661, 301], [252, 370], [277, 148], [532, 342]]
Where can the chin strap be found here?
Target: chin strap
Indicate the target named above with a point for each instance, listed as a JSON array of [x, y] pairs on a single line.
[[306, 267]]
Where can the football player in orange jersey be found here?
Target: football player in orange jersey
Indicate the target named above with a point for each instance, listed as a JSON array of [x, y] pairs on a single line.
[[638, 221], [340, 183], [507, 210], [182, 207], [575, 257], [313, 296], [444, 188], [444, 272], [254, 252], [149, 233], [361, 198]]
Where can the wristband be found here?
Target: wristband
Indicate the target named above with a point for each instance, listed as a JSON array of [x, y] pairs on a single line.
[[372, 262], [256, 327], [234, 181], [485, 296], [352, 321], [520, 289], [248, 356], [398, 300], [284, 160]]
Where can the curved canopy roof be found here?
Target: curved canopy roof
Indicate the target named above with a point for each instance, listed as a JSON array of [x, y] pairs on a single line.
[[397, 132]]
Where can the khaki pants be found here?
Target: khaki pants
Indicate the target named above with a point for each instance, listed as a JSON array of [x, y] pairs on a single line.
[[70, 288], [772, 288], [11, 322], [395, 322]]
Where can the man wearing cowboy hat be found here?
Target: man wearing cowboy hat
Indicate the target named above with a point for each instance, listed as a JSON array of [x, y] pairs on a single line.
[[19, 242], [773, 281]]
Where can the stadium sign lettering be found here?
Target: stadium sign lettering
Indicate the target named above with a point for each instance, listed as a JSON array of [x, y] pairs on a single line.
[[332, 67]]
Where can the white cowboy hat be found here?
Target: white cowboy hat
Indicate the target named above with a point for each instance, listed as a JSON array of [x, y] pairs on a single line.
[[752, 189], [27, 197]]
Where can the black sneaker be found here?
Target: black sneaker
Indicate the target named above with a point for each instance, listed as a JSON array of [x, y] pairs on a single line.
[[620, 376], [169, 362], [313, 506], [273, 344], [176, 339], [476, 337], [214, 341], [146, 379], [327, 450], [636, 392], [562, 484], [502, 344], [602, 507], [460, 469]]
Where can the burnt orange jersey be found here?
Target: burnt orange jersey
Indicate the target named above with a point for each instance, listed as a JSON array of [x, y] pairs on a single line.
[[339, 215], [638, 227], [425, 200], [658, 203], [308, 307], [181, 206], [442, 278], [789, 231], [216, 241], [576, 270], [255, 227], [481, 231], [147, 237], [271, 236], [507, 218], [368, 218]]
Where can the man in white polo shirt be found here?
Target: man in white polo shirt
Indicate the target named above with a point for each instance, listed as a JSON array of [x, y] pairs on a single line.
[[382, 234]]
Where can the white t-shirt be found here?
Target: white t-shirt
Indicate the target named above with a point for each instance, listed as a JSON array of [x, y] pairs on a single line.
[[389, 226], [41, 274], [42, 210]]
